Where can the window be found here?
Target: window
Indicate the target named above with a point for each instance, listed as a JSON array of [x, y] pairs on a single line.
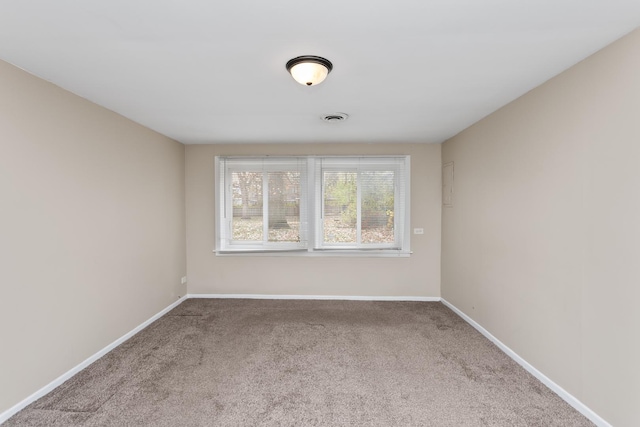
[[262, 204], [313, 205]]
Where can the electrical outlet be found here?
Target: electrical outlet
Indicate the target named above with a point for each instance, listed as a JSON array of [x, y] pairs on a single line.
[[183, 280], [418, 231]]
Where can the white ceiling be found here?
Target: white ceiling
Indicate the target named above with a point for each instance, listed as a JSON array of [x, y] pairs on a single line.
[[212, 71]]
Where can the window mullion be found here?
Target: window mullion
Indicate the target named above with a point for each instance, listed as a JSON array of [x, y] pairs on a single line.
[[358, 208], [265, 206], [228, 207], [311, 196], [320, 187], [396, 206]]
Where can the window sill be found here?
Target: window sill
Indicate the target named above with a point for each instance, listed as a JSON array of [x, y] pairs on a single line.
[[318, 253]]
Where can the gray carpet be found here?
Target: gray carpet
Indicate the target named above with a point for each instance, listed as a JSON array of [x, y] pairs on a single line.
[[303, 363]]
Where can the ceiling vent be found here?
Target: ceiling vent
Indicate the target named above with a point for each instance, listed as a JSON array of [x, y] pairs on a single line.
[[335, 117]]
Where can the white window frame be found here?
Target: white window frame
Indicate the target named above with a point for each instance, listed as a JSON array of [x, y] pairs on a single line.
[[311, 205], [360, 165], [225, 216]]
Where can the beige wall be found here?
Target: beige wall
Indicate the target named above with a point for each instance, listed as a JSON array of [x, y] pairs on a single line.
[[418, 275], [542, 246], [91, 230]]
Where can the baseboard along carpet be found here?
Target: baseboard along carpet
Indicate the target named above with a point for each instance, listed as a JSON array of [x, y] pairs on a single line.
[[212, 362]]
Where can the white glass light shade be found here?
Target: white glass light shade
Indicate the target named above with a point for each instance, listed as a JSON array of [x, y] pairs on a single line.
[[309, 70], [309, 73]]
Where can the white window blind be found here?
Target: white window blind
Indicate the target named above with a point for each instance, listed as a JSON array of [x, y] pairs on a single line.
[[362, 203], [312, 204]]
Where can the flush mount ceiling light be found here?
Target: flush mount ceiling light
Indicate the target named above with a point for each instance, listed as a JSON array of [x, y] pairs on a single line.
[[309, 70]]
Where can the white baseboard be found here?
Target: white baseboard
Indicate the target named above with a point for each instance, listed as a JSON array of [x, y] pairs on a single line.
[[565, 395], [4, 416], [316, 297]]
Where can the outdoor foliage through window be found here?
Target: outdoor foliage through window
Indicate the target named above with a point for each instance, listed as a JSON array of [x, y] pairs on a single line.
[[283, 204], [342, 224]]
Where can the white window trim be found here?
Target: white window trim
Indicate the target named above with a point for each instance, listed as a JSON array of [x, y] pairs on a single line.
[[311, 244], [369, 164], [273, 165]]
